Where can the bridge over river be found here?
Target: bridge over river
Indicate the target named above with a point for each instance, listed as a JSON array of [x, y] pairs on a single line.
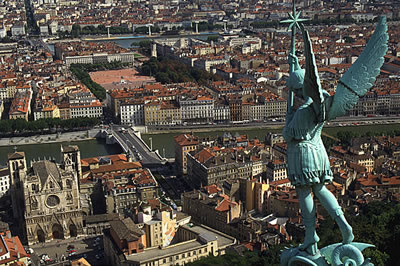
[[131, 143]]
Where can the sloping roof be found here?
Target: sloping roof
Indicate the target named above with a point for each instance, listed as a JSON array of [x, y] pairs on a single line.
[[118, 166], [70, 148], [44, 169], [80, 262], [212, 189], [186, 139], [126, 229], [225, 205], [101, 218], [204, 155], [16, 155]]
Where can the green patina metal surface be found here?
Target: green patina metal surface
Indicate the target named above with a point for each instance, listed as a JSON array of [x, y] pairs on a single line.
[[307, 160]]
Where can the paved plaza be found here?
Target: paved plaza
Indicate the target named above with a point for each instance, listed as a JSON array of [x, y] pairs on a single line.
[[57, 250]]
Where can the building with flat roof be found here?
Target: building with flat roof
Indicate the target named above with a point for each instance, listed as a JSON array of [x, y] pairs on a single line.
[[91, 53], [192, 243]]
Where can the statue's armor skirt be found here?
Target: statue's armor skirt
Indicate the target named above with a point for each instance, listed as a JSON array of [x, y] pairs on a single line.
[[308, 164]]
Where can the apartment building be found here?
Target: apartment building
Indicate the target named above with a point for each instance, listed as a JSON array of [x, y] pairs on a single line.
[[204, 167], [21, 105], [132, 112], [4, 181], [192, 243], [184, 144], [84, 104], [196, 109], [276, 170]]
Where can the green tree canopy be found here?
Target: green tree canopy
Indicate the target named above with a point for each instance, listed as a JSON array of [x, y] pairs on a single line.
[[168, 70]]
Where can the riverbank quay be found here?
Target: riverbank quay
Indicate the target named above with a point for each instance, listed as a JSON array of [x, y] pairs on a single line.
[[51, 138], [115, 37], [208, 128]]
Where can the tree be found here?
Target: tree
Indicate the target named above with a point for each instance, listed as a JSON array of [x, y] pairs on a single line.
[[20, 124], [5, 126], [142, 30], [213, 38], [168, 70], [348, 39], [163, 78], [76, 30]]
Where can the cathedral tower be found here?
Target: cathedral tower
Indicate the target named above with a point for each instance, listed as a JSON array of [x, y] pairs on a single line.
[[71, 160], [17, 168]]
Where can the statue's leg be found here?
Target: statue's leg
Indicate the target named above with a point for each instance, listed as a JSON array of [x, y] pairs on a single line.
[[330, 203], [307, 207]]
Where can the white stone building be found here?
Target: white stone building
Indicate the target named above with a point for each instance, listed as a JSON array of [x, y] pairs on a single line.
[[197, 109], [4, 181], [222, 113], [257, 112], [18, 29], [275, 108], [100, 58], [132, 112], [84, 104]]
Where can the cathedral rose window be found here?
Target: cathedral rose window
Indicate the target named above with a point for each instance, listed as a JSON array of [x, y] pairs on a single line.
[[52, 201]]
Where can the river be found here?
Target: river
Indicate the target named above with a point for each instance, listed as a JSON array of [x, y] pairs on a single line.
[[126, 42], [88, 148], [163, 142]]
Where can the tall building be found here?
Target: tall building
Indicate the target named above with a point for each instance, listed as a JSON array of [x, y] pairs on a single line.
[[256, 193], [45, 197], [4, 181], [205, 167], [211, 207], [184, 144]]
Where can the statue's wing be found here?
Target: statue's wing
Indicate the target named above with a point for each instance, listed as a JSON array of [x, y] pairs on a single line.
[[312, 85], [360, 77]]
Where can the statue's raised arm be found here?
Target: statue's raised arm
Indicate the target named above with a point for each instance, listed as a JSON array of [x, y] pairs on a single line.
[[360, 77]]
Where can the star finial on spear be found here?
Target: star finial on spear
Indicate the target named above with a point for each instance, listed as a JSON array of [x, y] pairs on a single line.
[[294, 21], [294, 18]]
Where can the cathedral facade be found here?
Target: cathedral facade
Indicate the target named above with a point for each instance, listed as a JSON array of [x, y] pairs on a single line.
[[45, 196]]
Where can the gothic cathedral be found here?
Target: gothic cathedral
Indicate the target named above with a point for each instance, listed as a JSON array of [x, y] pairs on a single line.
[[45, 196]]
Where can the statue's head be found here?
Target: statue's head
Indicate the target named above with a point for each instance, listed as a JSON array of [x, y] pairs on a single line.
[[296, 81]]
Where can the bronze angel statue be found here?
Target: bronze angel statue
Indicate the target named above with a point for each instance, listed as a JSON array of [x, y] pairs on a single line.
[[307, 160]]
